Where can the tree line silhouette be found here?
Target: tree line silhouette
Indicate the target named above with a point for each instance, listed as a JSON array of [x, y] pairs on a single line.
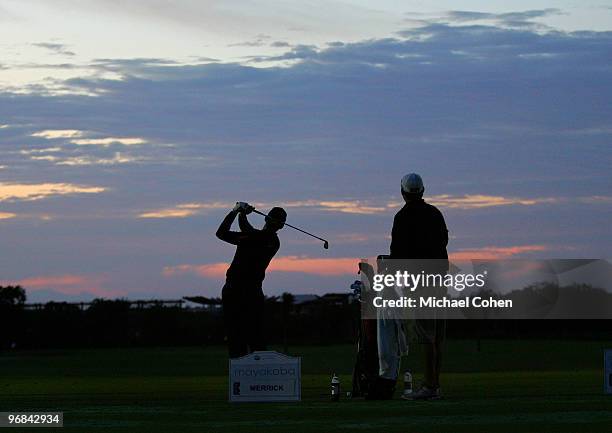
[[328, 319]]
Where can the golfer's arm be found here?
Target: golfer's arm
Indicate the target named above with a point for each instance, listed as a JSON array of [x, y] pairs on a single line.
[[224, 233], [243, 222]]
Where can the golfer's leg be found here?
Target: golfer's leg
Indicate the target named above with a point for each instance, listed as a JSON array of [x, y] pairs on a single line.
[[257, 339], [430, 364], [425, 329], [437, 365], [233, 318], [440, 337]]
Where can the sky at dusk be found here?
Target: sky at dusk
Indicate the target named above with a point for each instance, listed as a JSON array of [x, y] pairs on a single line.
[[129, 129]]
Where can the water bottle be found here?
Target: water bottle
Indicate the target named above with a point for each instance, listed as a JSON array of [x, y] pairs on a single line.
[[407, 383], [335, 388]]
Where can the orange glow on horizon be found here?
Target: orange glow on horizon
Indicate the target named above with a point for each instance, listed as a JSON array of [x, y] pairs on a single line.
[[69, 284], [495, 253], [305, 265]]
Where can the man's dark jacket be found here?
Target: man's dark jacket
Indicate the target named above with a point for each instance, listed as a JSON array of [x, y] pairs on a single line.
[[419, 232]]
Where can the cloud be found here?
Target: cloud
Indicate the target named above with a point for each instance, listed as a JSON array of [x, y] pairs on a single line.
[[495, 253], [185, 210], [79, 138], [117, 159], [297, 52], [478, 201], [7, 215], [353, 207], [107, 141], [255, 43], [352, 238], [51, 134], [38, 151], [469, 15], [293, 264], [50, 158], [280, 44], [28, 192], [359, 207], [513, 19], [77, 161], [596, 199], [56, 48], [62, 66], [523, 20]]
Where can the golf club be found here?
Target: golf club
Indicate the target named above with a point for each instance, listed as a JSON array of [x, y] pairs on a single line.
[[325, 242]]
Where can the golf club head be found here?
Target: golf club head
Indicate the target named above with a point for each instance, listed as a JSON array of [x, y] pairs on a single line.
[[326, 245]]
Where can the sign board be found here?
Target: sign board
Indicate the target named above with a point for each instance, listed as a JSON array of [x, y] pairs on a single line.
[[265, 376], [608, 371]]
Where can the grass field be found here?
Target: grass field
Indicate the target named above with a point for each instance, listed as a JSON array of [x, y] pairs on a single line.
[[513, 386]]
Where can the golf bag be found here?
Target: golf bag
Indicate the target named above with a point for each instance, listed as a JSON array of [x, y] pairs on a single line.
[[366, 372]]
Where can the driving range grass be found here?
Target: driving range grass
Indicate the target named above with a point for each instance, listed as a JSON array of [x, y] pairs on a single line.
[[509, 386]]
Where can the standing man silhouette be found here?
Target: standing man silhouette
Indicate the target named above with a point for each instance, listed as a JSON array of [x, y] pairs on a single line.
[[419, 232], [242, 295]]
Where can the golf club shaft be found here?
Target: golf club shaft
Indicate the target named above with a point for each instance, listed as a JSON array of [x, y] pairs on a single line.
[[289, 225]]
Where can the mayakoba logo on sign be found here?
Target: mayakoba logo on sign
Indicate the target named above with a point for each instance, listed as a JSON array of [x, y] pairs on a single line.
[[263, 372]]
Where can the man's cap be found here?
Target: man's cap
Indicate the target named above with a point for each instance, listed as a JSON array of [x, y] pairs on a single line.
[[412, 184]]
